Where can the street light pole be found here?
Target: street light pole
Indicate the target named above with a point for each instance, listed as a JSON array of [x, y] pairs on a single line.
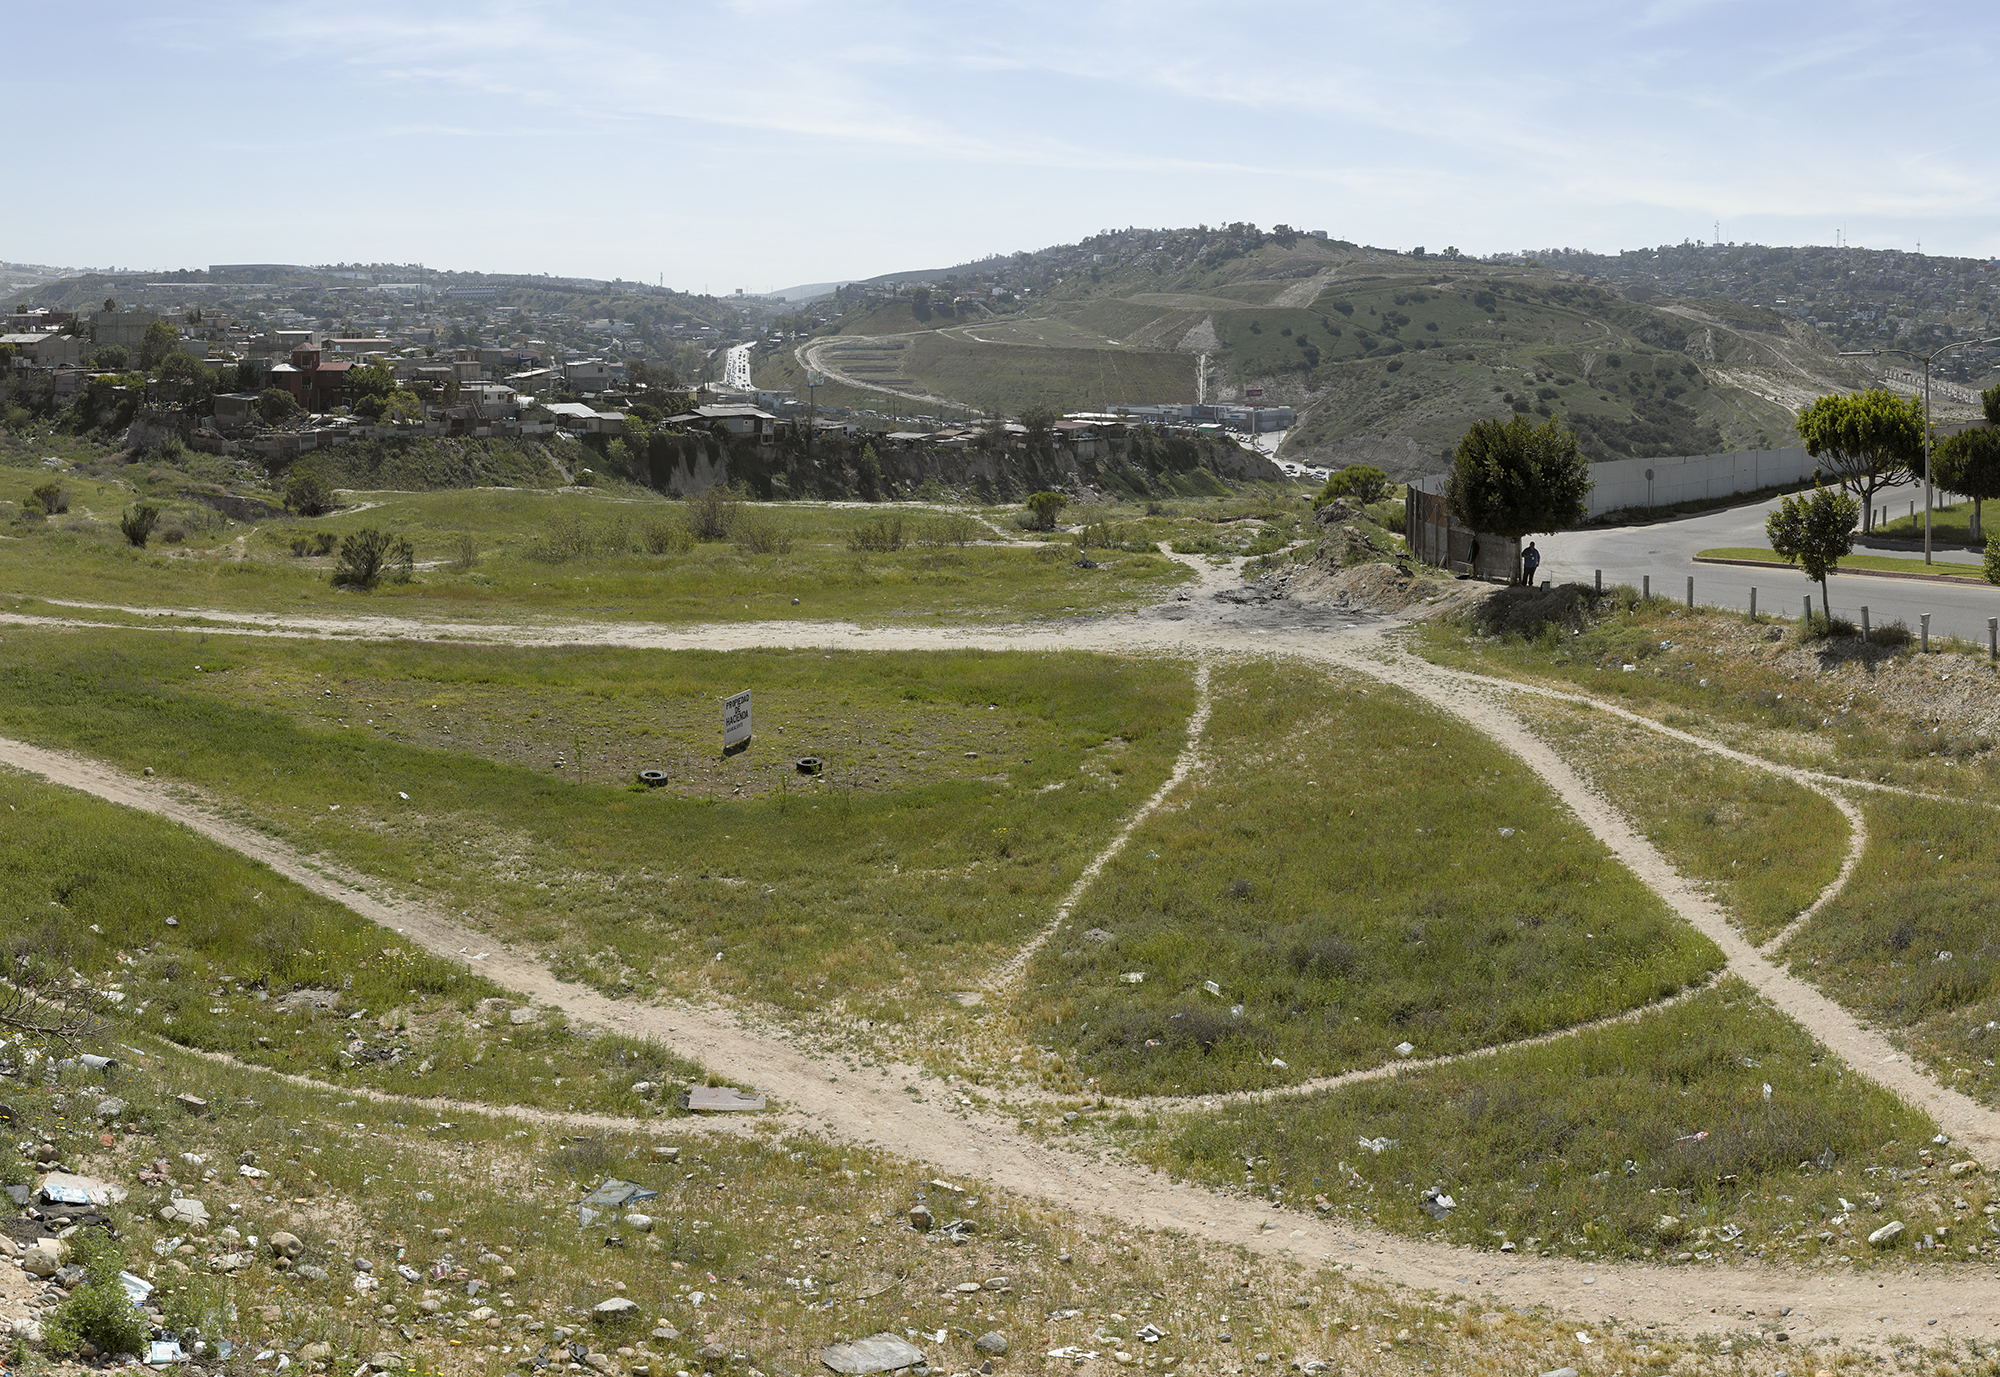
[[1926, 360]]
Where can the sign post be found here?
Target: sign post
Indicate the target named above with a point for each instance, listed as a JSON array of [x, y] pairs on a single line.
[[814, 377], [735, 722]]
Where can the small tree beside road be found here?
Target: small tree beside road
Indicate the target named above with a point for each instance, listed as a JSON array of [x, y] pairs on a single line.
[[1867, 440], [1968, 463], [1815, 531]]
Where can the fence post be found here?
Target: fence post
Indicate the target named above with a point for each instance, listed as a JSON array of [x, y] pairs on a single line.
[[1864, 626], [1808, 612], [1690, 592], [1926, 620], [1600, 583], [1646, 586], [1993, 638], [1753, 602]]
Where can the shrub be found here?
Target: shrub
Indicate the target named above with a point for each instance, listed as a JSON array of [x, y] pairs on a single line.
[[313, 543], [53, 499], [169, 449], [275, 404], [464, 552], [760, 533], [1043, 507], [97, 1312], [1527, 612], [137, 523], [1992, 566], [712, 514], [659, 535], [307, 490], [880, 536], [1362, 483], [369, 555], [950, 529]]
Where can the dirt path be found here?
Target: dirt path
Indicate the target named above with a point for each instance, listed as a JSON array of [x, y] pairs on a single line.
[[873, 1107]]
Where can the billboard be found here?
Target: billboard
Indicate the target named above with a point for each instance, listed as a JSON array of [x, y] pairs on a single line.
[[735, 719]]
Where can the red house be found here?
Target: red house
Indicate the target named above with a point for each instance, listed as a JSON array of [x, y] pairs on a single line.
[[315, 385]]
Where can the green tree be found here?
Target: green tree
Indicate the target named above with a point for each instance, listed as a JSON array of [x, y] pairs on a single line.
[[402, 405], [1867, 440], [1363, 482], [868, 475], [1989, 402], [1969, 463], [112, 358], [308, 491], [275, 404], [1043, 506], [371, 380], [160, 340], [1040, 423], [1815, 531], [1509, 478], [920, 303]]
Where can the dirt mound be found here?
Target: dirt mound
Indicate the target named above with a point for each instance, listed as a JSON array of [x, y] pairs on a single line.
[[1389, 588]]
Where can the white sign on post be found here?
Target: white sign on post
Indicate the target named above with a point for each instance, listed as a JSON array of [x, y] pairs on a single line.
[[735, 719]]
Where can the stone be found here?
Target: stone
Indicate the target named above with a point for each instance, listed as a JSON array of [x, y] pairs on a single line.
[[385, 1362], [315, 1353], [999, 1283], [1886, 1236], [992, 1343], [1668, 1227], [1962, 1168], [876, 1353], [229, 1262], [921, 1218], [110, 1109], [287, 1246], [185, 1212], [310, 1272], [522, 1016], [1560, 1372], [639, 1223], [44, 1258], [617, 1308], [193, 1104]]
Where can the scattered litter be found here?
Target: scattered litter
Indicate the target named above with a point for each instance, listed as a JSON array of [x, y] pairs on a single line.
[[1377, 1145], [1692, 1137], [1767, 1092], [1403, 1049], [1436, 1204], [615, 1194], [1134, 977], [1099, 936], [1506, 831], [1150, 1334], [1279, 1064], [1073, 1353], [1212, 988], [165, 1351]]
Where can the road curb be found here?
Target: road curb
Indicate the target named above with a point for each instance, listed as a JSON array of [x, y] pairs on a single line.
[[1957, 579]]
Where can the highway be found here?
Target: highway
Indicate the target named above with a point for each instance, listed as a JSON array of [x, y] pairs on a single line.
[[1665, 550]]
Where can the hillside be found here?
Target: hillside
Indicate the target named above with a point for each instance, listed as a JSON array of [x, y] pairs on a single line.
[[1386, 357]]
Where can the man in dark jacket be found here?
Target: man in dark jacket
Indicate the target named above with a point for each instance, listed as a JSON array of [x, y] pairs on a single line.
[[1531, 560]]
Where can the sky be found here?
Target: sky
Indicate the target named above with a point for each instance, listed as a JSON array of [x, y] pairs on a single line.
[[766, 143]]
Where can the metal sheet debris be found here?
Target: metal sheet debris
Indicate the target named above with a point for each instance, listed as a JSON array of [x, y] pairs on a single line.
[[721, 1097]]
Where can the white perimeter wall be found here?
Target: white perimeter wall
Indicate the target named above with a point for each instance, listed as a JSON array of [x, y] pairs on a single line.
[[1628, 483]]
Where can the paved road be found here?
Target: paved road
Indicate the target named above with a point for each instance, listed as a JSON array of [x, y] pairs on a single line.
[[1665, 550], [736, 367]]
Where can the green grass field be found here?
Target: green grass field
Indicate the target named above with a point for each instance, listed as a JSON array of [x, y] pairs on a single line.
[[1010, 378], [1950, 524], [1850, 564], [612, 556], [1354, 871], [1906, 944], [201, 946], [1588, 1145], [1764, 845], [899, 874]]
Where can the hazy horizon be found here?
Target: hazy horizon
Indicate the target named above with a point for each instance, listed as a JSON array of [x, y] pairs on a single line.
[[767, 143]]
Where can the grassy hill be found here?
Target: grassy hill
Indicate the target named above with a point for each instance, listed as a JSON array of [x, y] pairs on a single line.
[[1386, 357]]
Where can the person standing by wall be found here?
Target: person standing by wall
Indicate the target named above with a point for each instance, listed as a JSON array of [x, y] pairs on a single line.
[[1531, 560]]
